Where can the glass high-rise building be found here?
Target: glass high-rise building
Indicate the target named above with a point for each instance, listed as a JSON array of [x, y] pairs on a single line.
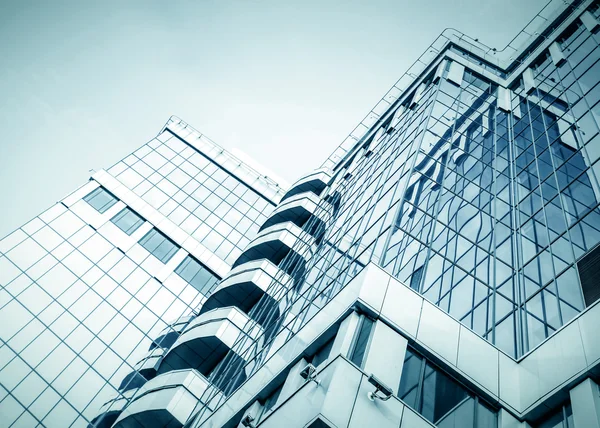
[[440, 269]]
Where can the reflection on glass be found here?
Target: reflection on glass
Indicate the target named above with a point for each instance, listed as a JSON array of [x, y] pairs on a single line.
[[128, 221], [439, 398], [197, 275], [100, 199], [159, 245]]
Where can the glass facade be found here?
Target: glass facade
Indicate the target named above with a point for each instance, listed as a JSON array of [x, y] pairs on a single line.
[[80, 300], [192, 191], [476, 187], [479, 190]]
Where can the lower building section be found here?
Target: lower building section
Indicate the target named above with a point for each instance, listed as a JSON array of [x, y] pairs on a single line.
[[379, 354]]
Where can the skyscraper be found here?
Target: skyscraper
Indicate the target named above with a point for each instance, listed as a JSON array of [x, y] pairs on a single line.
[[439, 269]]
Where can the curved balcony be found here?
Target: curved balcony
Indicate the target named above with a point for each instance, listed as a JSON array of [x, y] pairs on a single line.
[[314, 182], [110, 411], [207, 340], [167, 400], [276, 242], [169, 334], [246, 285], [148, 366], [133, 380], [299, 209]]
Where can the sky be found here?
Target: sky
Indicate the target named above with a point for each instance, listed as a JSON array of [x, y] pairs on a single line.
[[85, 83]]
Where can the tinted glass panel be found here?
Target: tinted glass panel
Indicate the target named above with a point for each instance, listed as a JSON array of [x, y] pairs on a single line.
[[589, 272], [439, 398], [196, 274], [362, 340], [128, 221], [415, 279], [409, 383], [440, 394], [159, 245], [100, 199]]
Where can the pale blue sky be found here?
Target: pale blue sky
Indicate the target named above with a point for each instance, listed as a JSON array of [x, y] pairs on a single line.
[[84, 83]]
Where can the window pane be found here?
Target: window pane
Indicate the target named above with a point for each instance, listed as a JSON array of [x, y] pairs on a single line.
[[461, 417], [128, 221], [415, 279], [409, 382], [100, 199], [196, 274], [440, 394], [159, 245], [486, 418], [362, 340]]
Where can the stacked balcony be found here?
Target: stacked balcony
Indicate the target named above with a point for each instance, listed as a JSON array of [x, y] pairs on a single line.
[[246, 285], [233, 317], [110, 411], [207, 339], [169, 335], [147, 367], [314, 182], [167, 400], [275, 243]]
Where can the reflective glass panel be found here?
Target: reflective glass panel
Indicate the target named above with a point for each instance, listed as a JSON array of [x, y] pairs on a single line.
[[128, 221], [100, 199], [196, 274], [159, 245]]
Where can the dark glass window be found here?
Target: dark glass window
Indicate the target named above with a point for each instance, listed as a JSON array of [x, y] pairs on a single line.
[[128, 221], [440, 394], [100, 199], [415, 279], [362, 340], [159, 245], [440, 399], [589, 272], [196, 274]]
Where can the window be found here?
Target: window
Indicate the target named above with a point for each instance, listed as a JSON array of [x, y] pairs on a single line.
[[128, 221], [440, 399], [159, 245], [589, 272], [100, 199], [415, 279], [362, 340], [196, 274]]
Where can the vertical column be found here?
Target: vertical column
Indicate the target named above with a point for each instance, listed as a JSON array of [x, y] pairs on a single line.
[[585, 401], [506, 420], [385, 356], [345, 335]]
